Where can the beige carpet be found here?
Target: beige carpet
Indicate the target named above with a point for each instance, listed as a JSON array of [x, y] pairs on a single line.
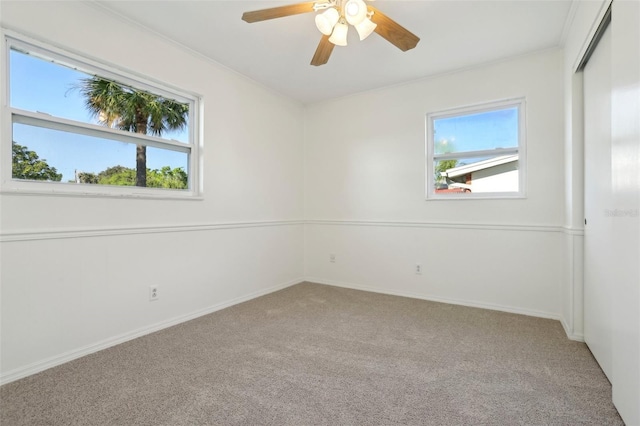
[[320, 355]]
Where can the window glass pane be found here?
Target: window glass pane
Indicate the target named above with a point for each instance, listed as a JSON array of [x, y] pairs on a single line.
[[167, 169], [53, 155], [477, 174], [477, 131], [477, 150], [46, 86], [42, 86]]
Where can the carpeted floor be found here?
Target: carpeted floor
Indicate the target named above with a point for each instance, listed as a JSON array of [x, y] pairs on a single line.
[[320, 355]]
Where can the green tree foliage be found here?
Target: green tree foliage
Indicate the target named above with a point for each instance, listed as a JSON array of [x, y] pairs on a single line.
[[84, 177], [27, 164], [441, 167], [165, 177], [444, 146], [124, 108], [118, 175]]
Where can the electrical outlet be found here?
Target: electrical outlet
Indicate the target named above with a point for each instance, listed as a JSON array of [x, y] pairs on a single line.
[[332, 258], [153, 292], [418, 269]]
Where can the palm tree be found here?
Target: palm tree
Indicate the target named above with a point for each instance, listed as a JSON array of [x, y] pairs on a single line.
[[124, 108]]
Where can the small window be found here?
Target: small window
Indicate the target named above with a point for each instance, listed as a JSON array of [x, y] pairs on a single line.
[[78, 127], [476, 152]]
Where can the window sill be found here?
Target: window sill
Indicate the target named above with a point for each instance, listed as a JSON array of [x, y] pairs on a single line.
[[488, 196], [152, 195]]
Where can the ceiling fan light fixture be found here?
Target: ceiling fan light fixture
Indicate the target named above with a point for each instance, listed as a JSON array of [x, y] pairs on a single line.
[[365, 28], [355, 11], [327, 20], [333, 18], [339, 36]]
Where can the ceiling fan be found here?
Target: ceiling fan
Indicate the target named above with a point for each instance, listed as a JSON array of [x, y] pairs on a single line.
[[334, 22]]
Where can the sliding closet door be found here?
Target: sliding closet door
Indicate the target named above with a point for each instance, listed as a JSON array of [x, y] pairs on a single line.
[[598, 244]]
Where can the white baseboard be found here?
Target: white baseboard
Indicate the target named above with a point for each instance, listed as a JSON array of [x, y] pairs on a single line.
[[469, 303], [578, 337], [54, 361]]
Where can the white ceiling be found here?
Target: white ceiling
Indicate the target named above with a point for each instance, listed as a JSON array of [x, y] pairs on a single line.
[[454, 35]]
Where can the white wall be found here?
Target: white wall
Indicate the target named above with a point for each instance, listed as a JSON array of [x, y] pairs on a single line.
[[365, 194], [75, 271]]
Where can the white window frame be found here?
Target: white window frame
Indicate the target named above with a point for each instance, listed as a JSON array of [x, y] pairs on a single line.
[[92, 67], [431, 157]]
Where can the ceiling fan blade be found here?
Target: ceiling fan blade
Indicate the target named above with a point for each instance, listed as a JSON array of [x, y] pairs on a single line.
[[393, 32], [278, 12], [325, 47]]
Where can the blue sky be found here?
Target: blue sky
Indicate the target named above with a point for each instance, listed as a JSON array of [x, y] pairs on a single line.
[[487, 130], [42, 86]]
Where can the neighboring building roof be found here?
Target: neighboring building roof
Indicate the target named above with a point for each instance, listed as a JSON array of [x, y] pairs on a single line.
[[480, 165]]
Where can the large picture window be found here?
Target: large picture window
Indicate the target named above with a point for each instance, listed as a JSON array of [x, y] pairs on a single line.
[[74, 126], [476, 152]]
